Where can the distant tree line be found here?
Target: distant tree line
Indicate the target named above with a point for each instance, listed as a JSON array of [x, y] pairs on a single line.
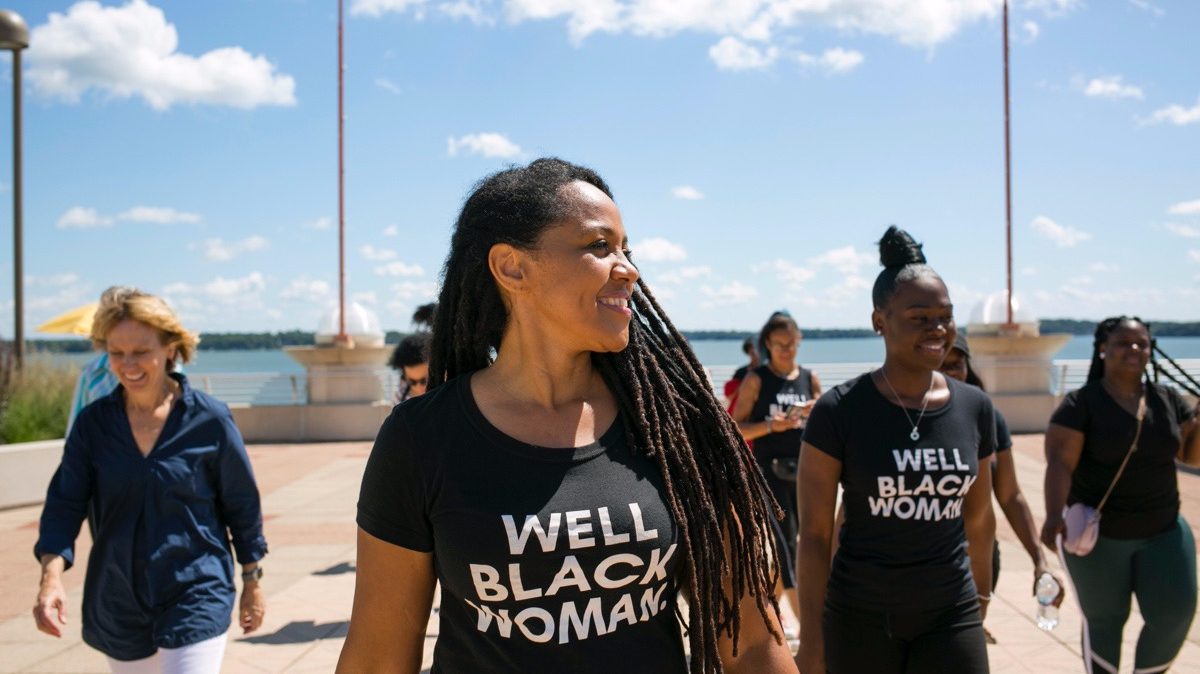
[[230, 341]]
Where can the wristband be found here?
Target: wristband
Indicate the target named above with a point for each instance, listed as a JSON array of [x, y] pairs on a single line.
[[252, 576], [984, 597], [769, 429]]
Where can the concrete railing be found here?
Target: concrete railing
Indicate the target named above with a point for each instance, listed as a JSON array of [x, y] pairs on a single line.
[[26, 469]]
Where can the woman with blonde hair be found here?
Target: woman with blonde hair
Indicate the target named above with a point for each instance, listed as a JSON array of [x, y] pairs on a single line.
[[160, 471]]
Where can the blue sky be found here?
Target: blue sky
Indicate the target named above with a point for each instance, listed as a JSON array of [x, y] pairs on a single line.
[[757, 149]]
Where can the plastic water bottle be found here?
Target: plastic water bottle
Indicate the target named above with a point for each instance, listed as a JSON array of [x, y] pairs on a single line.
[[1047, 591]]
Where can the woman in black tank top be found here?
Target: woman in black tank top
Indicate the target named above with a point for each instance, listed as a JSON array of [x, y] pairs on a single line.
[[772, 405]]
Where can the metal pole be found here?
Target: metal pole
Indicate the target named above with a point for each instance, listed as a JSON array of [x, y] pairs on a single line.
[[1007, 179], [341, 336], [18, 266]]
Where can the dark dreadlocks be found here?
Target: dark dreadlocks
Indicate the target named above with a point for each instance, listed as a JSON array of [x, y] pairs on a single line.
[[714, 488]]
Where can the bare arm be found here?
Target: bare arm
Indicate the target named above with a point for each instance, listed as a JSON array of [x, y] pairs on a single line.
[[393, 594], [50, 609], [1064, 446], [816, 386], [758, 649], [819, 475], [1189, 448], [1016, 510], [980, 524], [746, 397]]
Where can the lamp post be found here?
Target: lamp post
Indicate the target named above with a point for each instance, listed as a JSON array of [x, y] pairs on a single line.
[[14, 36]]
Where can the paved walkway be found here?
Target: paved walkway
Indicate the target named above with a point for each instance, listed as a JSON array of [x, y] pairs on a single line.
[[309, 492]]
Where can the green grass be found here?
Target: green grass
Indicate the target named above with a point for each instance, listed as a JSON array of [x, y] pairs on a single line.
[[37, 401]]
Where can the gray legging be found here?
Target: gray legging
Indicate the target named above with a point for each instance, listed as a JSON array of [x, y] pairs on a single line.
[[1161, 570]]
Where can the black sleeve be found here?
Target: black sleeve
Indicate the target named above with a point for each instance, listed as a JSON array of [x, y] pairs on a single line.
[[1072, 412], [392, 504], [1003, 437], [1183, 411], [822, 430], [987, 427]]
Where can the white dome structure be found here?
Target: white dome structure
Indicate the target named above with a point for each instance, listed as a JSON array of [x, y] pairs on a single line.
[[362, 325], [991, 314]]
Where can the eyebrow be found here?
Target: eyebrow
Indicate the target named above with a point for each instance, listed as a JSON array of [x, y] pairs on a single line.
[[605, 230]]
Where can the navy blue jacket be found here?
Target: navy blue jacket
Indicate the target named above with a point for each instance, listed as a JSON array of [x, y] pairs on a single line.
[[160, 573]]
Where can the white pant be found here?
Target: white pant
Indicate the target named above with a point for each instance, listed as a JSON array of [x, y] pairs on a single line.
[[203, 657]]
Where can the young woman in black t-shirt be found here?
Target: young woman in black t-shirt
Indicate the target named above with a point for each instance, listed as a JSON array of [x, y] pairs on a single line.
[[1145, 547], [569, 470], [910, 448], [772, 404]]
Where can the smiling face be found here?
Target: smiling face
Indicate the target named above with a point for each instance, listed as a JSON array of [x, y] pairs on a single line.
[[580, 276], [917, 323], [138, 357], [1127, 349]]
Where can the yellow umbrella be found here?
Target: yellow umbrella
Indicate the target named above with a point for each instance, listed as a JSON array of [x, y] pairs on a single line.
[[77, 321]]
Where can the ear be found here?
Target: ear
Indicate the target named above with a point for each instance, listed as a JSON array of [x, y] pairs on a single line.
[[877, 321], [508, 265]]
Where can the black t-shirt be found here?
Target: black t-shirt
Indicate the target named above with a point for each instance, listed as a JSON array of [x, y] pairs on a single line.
[[1145, 501], [903, 545], [1003, 437], [775, 396], [550, 560]]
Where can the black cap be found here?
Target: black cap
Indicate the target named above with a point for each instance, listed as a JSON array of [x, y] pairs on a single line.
[[960, 343]]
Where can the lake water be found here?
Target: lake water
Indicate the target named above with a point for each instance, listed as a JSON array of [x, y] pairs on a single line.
[[710, 352]]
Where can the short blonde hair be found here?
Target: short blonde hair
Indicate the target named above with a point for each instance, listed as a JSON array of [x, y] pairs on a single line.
[[120, 303]]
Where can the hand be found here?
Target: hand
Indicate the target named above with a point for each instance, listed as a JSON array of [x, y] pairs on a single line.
[[1062, 589], [252, 608], [782, 422], [1051, 529], [810, 660], [50, 610]]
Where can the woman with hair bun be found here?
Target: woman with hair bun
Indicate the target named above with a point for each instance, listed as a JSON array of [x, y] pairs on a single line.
[[910, 449], [1113, 445], [570, 470]]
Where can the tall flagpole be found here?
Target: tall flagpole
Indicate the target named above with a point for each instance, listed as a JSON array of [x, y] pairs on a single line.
[[342, 338], [1007, 180]]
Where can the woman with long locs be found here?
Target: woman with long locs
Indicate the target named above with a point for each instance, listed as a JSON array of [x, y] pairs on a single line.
[[910, 448], [569, 472]]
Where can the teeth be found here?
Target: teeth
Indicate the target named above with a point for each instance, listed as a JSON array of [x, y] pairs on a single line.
[[615, 301]]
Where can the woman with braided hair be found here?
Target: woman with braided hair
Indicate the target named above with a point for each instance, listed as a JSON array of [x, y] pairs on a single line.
[[1121, 418], [569, 470], [910, 448]]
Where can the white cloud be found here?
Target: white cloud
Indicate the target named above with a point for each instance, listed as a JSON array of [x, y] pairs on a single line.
[[320, 223], [244, 292], [131, 50], [834, 61], [467, 10], [223, 288], [1194, 255], [786, 271], [658, 249], [1147, 6], [1101, 268], [682, 274], [80, 217], [1112, 87], [1029, 271], [687, 193], [1185, 208], [387, 85], [368, 297], [1031, 30], [377, 8], [734, 292], [391, 230], [1174, 114], [1185, 231], [846, 260], [1062, 236], [374, 254], [305, 289], [407, 293], [733, 54], [1053, 7], [217, 250], [484, 144], [157, 215], [398, 268]]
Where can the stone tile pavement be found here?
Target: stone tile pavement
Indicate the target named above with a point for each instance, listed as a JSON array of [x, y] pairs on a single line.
[[309, 492]]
